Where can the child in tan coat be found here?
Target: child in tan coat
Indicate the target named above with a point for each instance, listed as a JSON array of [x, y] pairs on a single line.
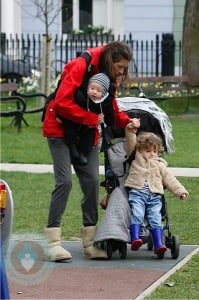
[[148, 175]]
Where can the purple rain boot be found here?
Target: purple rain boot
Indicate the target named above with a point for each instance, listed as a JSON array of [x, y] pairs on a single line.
[[136, 241], [157, 234]]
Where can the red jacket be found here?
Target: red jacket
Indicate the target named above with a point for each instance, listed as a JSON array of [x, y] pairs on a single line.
[[64, 102]]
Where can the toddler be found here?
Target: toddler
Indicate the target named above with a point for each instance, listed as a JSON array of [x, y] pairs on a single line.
[[148, 175]]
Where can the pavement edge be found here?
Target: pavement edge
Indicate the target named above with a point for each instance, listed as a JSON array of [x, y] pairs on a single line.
[[162, 279]]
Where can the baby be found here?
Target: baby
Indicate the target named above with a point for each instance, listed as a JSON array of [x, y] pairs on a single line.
[[79, 137]]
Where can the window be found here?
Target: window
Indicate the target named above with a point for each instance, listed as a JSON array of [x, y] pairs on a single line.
[[85, 13], [67, 16]]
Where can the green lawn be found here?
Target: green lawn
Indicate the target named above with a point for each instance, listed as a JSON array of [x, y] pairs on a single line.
[[30, 147]]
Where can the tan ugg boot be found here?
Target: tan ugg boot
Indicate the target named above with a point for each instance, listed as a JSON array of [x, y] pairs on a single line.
[[91, 252], [54, 251]]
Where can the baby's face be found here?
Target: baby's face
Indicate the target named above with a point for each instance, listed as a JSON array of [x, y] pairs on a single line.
[[95, 91], [150, 153]]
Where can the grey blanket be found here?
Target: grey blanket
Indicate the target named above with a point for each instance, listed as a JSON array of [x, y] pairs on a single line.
[[116, 221]]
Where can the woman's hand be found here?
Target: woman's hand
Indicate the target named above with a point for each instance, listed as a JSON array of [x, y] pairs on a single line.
[[100, 118], [133, 125]]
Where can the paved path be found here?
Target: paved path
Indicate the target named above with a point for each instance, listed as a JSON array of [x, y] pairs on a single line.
[[130, 278], [37, 168]]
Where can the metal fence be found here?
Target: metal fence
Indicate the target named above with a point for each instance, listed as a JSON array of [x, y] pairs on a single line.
[[161, 56]]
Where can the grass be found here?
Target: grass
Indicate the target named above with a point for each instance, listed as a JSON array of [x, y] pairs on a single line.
[[185, 130], [31, 197], [185, 283], [31, 192], [30, 147]]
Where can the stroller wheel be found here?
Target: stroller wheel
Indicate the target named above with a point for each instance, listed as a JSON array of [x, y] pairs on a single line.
[[175, 248], [160, 255], [123, 250], [108, 247], [150, 243]]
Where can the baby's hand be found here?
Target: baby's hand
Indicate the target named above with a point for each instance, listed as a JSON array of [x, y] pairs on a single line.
[[183, 196]]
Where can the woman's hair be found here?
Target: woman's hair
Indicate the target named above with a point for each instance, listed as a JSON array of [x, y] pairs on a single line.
[[114, 52], [149, 140]]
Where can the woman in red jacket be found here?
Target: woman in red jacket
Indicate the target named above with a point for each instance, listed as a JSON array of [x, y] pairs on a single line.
[[112, 59]]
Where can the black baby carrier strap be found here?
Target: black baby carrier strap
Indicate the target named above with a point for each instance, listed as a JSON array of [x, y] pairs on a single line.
[[88, 72]]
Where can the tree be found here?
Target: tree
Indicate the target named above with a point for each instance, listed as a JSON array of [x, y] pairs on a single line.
[[47, 12], [191, 41]]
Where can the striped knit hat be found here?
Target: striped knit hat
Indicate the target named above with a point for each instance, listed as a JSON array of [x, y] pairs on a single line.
[[102, 79]]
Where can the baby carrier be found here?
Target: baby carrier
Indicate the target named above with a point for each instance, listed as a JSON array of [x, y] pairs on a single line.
[[113, 232]]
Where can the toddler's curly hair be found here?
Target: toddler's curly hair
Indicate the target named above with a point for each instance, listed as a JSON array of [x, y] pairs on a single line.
[[149, 140]]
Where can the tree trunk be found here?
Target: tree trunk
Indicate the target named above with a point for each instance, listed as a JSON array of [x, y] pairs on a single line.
[[46, 64], [191, 41]]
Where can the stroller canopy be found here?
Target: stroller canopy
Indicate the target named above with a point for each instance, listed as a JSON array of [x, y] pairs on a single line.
[[152, 116]]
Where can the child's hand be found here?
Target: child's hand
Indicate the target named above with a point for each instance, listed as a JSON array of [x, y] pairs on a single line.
[[183, 196], [133, 125], [131, 128]]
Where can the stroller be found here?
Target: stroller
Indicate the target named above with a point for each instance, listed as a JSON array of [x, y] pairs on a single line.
[[113, 232]]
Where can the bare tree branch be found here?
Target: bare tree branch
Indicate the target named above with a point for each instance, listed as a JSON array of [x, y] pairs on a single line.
[[47, 11]]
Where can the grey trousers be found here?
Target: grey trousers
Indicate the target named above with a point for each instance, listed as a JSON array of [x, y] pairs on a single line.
[[88, 178]]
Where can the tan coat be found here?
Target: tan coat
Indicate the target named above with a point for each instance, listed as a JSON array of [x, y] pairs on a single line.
[[155, 171]]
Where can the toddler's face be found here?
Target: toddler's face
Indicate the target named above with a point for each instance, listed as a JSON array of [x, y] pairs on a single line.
[[150, 153], [95, 91]]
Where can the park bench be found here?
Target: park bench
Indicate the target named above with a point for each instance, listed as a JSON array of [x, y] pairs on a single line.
[[34, 103], [172, 93], [159, 87], [12, 105]]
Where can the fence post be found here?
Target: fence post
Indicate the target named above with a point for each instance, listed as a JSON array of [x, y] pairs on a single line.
[[168, 46], [3, 43], [157, 55]]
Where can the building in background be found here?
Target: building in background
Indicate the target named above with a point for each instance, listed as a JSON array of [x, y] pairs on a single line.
[[11, 17], [143, 19]]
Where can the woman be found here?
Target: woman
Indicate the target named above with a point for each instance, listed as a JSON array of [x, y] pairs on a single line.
[[112, 59]]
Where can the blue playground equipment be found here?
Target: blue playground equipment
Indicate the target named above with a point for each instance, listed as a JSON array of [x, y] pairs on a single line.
[[6, 220]]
